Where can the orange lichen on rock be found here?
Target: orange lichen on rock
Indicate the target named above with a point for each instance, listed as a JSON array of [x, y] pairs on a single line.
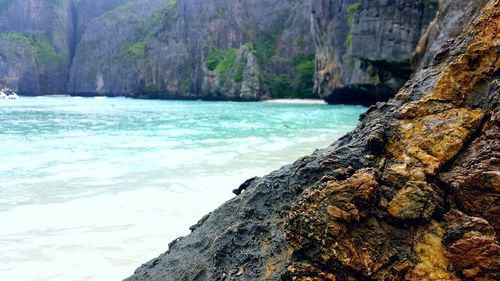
[[332, 205], [434, 129], [432, 263], [417, 200], [320, 220], [439, 151], [271, 263], [476, 255], [474, 177], [479, 61], [429, 142]]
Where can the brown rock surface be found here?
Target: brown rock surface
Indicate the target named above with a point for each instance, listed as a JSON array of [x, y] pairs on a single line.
[[431, 262], [411, 194], [417, 200], [472, 247], [440, 151], [474, 177]]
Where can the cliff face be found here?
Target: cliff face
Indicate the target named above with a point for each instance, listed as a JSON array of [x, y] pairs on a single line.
[[191, 49], [35, 37], [109, 56], [217, 49], [84, 11], [410, 194], [37, 41], [221, 49], [364, 47]]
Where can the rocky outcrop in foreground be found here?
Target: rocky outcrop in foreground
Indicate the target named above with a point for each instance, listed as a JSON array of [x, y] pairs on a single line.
[[411, 194]]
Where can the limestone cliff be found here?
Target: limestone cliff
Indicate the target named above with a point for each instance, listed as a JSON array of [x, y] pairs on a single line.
[[364, 47], [189, 49], [359, 51], [411, 194], [37, 41], [193, 49]]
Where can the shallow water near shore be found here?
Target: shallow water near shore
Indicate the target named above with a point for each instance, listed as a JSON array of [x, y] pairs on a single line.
[[92, 188]]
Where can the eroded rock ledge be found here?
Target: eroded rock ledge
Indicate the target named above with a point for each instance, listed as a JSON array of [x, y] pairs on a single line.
[[411, 194]]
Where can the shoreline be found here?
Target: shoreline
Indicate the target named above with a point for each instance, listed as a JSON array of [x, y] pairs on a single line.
[[287, 101], [296, 101]]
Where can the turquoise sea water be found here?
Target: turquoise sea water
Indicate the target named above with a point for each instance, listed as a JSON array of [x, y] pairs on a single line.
[[92, 187]]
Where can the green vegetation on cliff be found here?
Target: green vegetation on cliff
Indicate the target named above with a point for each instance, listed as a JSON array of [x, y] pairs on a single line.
[[160, 47], [264, 48], [133, 49], [425, 2], [214, 59], [39, 42], [297, 85], [295, 82], [352, 13], [305, 66], [146, 29], [228, 61], [227, 65]]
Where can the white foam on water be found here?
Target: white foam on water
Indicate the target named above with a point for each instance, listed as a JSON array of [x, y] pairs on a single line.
[[92, 188], [103, 237]]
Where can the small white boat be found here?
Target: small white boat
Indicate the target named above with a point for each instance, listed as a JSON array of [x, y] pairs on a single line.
[[13, 96], [7, 94]]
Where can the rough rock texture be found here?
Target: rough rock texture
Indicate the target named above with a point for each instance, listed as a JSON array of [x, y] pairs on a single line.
[[411, 194], [452, 17], [364, 47], [472, 246]]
